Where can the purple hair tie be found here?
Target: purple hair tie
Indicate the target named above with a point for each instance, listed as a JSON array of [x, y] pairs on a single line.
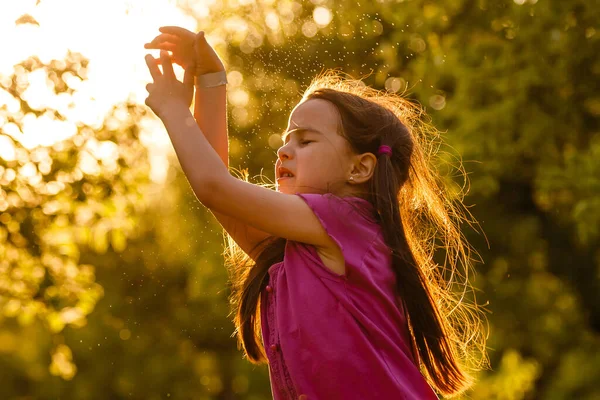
[[383, 149]]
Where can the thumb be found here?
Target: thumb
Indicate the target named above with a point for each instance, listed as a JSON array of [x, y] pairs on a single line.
[[200, 39], [199, 42]]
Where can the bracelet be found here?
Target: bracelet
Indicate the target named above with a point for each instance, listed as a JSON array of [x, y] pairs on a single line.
[[210, 80]]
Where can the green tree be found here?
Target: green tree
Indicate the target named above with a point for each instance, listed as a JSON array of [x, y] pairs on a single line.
[[512, 84], [80, 192]]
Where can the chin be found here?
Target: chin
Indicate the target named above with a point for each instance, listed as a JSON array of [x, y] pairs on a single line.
[[286, 189]]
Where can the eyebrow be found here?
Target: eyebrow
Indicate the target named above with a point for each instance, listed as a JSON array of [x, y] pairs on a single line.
[[300, 130]]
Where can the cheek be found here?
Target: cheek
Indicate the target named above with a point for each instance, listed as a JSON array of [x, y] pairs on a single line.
[[317, 164]]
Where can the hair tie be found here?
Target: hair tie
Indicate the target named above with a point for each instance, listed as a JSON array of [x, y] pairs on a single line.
[[383, 149]]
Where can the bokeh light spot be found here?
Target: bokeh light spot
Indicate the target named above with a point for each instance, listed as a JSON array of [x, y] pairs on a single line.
[[437, 102], [309, 29], [322, 16], [275, 141], [395, 84], [124, 334]]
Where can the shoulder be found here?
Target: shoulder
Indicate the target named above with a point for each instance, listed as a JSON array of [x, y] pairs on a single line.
[[338, 207], [349, 225]]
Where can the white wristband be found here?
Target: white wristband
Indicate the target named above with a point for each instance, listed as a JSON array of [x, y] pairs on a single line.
[[211, 80]]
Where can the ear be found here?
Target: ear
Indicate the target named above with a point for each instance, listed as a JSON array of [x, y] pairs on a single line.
[[363, 167]]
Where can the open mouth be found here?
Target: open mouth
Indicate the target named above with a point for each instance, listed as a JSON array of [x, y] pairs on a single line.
[[285, 174]]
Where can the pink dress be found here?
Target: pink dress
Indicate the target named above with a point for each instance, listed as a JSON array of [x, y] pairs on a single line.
[[331, 337]]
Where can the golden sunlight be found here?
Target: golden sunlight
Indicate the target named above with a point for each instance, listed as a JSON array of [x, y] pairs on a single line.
[[110, 34]]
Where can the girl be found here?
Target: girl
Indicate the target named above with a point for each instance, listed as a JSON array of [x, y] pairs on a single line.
[[339, 280]]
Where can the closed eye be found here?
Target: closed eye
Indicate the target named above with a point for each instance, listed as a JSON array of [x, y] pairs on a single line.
[[306, 141]]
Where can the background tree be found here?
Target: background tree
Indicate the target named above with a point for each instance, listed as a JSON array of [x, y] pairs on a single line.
[[513, 84], [53, 201]]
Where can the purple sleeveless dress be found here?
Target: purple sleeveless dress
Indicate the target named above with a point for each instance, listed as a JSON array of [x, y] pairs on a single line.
[[329, 336]]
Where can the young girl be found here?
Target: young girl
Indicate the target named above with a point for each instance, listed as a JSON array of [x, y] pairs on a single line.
[[339, 279]]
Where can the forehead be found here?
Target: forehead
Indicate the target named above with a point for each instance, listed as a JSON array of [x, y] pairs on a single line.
[[316, 113]]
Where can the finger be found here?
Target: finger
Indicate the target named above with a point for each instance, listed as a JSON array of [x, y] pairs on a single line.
[[149, 87], [200, 41], [153, 67], [149, 103], [188, 77], [165, 38], [158, 61], [162, 46], [176, 30], [167, 66]]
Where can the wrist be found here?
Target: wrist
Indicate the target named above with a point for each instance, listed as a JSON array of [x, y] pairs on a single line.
[[207, 67], [209, 80], [174, 110]]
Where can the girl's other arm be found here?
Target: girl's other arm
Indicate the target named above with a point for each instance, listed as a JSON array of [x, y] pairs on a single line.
[[210, 112]]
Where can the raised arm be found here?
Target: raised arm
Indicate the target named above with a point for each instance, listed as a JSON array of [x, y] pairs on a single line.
[[281, 215], [210, 112]]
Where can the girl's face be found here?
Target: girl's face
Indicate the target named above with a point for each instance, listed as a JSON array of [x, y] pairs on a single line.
[[318, 157]]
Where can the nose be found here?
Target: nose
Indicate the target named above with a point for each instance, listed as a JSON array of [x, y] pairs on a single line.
[[283, 152]]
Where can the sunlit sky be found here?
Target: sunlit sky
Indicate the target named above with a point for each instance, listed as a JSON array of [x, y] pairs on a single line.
[[110, 33]]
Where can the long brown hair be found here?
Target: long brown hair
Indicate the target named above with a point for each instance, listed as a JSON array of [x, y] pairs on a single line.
[[418, 216]]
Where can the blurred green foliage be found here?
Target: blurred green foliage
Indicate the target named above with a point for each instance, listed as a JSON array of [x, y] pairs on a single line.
[[112, 286]]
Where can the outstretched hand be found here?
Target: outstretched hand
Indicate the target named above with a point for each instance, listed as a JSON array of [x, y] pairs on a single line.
[[166, 92], [189, 49], [180, 42]]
